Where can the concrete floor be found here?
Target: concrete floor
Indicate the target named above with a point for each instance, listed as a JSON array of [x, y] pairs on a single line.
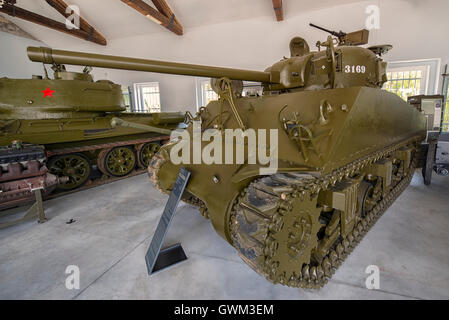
[[115, 223]]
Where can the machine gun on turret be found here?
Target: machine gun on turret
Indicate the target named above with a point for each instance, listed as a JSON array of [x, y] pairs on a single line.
[[356, 38]]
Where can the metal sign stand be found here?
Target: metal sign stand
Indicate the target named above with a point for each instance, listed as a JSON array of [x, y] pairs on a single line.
[[155, 258], [36, 210]]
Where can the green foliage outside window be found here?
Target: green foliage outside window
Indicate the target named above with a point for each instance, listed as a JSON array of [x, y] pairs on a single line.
[[404, 83]]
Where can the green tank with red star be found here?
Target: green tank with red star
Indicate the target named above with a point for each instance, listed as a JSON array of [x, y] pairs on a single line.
[[70, 116]]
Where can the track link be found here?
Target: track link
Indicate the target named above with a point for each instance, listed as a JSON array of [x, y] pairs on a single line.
[[265, 222]]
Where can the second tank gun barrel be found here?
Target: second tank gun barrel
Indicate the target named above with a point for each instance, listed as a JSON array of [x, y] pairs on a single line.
[[50, 56], [117, 122]]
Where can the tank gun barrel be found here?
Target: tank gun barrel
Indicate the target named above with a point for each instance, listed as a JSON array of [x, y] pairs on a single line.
[[117, 122], [49, 56]]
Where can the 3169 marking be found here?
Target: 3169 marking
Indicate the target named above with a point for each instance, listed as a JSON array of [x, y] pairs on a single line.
[[355, 69]]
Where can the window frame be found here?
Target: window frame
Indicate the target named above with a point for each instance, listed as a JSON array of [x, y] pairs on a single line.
[[138, 96], [200, 94], [430, 81], [423, 80]]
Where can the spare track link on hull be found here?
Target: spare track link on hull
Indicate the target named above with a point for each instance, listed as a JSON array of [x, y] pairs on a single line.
[[264, 226], [153, 172]]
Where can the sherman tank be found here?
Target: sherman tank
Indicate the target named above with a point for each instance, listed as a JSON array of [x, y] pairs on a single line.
[[61, 128], [340, 151]]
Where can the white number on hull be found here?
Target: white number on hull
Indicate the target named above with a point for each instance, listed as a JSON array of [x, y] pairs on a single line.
[[355, 69]]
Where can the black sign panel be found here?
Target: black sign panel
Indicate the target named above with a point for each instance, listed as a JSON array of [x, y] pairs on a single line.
[[152, 256]]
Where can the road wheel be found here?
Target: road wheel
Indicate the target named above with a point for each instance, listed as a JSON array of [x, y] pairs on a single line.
[[117, 162], [74, 166], [146, 152]]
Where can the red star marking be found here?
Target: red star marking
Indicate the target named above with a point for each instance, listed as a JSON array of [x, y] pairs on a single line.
[[48, 93]]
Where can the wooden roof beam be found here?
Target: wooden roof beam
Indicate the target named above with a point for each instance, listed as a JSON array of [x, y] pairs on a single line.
[[61, 6], [168, 21], [278, 10], [165, 9], [10, 27], [21, 13]]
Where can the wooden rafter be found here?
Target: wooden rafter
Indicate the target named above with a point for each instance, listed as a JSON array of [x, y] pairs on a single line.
[[278, 10], [163, 7], [61, 6], [163, 15], [91, 35], [10, 27]]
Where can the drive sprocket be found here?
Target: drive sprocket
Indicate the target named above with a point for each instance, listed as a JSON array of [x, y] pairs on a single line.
[[274, 220]]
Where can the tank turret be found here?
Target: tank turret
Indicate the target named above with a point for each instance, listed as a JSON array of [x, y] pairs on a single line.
[[70, 94]]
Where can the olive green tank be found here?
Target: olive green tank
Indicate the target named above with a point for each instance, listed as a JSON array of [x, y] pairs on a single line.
[[341, 151], [70, 116]]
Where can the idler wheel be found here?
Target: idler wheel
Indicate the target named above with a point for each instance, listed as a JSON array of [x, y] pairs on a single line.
[[117, 162], [75, 166], [146, 152]]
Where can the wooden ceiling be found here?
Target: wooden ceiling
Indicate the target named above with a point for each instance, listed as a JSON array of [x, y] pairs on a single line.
[[159, 12], [163, 15], [278, 10], [85, 32]]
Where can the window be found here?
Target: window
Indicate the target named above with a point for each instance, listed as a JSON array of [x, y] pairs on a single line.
[[147, 97], [406, 83], [446, 105], [411, 78], [206, 94], [251, 89]]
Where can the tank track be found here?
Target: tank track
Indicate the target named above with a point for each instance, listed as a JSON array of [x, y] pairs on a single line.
[[92, 184], [22, 170], [13, 192], [153, 172], [255, 236]]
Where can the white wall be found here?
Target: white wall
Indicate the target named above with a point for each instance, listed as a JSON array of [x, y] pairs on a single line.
[[416, 28], [13, 59]]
